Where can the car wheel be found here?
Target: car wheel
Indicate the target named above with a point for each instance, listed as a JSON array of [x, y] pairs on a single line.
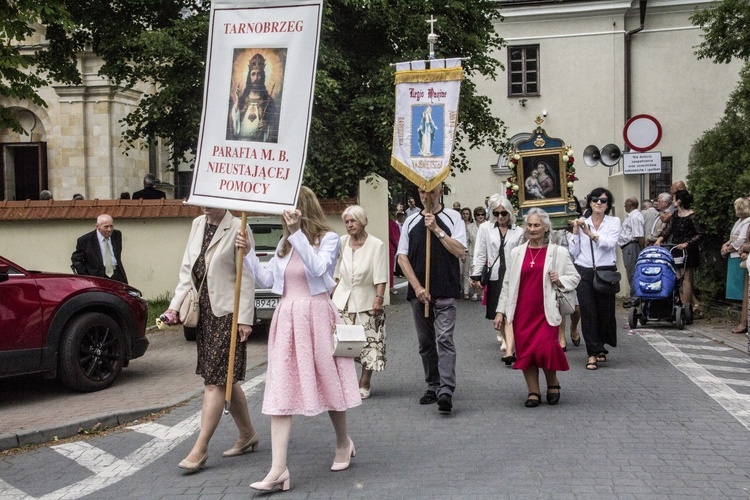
[[92, 352], [189, 332]]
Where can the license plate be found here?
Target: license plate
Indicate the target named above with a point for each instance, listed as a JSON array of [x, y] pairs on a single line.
[[266, 303]]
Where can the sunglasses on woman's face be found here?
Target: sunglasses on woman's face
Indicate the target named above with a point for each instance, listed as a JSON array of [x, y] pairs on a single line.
[[597, 199], [479, 215], [501, 213]]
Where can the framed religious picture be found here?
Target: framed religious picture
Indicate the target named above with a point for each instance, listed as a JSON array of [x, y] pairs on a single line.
[[542, 178]]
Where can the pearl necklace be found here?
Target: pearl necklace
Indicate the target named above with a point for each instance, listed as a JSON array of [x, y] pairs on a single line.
[[533, 257]]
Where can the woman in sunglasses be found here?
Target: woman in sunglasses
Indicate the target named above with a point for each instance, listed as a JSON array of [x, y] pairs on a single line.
[[594, 243], [495, 239]]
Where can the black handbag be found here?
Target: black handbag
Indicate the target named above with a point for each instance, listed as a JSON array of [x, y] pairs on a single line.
[[605, 281], [487, 272]]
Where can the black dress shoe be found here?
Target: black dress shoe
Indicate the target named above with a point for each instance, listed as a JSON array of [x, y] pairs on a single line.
[[553, 397], [445, 403], [428, 398], [533, 403], [508, 360]]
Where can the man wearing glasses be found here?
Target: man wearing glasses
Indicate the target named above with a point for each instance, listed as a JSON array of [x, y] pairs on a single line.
[[447, 234]]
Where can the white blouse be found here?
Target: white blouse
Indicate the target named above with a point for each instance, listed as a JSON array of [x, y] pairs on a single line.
[[359, 273], [320, 262], [604, 250]]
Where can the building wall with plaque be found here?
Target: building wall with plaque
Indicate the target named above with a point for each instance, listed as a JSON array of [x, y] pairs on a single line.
[[576, 51]]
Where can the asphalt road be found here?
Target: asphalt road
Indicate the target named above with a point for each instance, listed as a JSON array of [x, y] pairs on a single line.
[[668, 416]]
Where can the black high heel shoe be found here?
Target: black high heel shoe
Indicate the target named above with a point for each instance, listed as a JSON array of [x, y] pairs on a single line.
[[553, 397], [508, 360]]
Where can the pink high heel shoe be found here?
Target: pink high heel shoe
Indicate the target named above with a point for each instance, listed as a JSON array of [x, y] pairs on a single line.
[[283, 481], [339, 466]]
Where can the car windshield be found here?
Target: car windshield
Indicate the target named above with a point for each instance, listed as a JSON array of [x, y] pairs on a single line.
[[266, 236]]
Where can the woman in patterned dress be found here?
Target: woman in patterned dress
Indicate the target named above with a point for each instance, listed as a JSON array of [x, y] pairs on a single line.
[[303, 378], [209, 259], [361, 295]]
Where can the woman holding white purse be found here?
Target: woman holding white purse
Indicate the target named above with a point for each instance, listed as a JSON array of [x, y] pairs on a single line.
[[208, 266], [303, 378], [528, 301], [361, 294]]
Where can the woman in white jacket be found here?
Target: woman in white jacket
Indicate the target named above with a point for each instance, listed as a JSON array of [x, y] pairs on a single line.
[[495, 240], [528, 302], [303, 378]]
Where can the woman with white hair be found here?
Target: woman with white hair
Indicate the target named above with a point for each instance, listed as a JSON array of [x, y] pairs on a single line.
[[495, 239], [528, 302], [361, 295]]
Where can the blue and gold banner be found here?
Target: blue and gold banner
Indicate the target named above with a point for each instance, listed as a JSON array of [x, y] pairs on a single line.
[[426, 119]]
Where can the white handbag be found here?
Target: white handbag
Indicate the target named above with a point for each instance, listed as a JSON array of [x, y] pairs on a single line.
[[348, 340], [566, 299]]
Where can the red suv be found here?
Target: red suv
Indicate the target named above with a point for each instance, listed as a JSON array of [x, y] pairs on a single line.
[[81, 329]]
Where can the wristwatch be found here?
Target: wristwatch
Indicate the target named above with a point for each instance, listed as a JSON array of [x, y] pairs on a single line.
[[441, 235]]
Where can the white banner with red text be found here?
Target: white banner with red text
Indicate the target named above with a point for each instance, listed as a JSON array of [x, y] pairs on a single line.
[[426, 119], [257, 104]]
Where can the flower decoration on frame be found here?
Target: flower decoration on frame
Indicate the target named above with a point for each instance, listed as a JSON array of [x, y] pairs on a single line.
[[511, 183], [570, 169]]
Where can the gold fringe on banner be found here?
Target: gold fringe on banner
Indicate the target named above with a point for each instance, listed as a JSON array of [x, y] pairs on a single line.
[[417, 179], [430, 75]]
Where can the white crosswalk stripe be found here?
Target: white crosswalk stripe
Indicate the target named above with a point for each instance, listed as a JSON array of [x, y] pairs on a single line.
[[738, 405], [108, 469]]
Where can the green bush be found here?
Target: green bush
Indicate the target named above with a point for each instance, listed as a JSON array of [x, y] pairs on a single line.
[[719, 174]]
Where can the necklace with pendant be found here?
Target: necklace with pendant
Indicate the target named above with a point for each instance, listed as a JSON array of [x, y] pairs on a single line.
[[533, 257]]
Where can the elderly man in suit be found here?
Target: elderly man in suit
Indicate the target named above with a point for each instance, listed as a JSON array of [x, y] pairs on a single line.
[[99, 253]]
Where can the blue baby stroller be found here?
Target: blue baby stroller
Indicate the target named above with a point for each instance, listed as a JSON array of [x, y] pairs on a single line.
[[657, 287]]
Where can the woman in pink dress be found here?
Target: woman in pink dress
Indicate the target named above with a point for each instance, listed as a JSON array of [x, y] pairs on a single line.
[[303, 378], [528, 301]]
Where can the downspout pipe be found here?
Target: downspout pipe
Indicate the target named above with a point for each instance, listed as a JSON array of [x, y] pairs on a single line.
[[627, 72], [628, 60]]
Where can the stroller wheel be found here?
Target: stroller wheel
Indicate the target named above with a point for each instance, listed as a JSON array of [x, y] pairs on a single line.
[[679, 316], [633, 317]]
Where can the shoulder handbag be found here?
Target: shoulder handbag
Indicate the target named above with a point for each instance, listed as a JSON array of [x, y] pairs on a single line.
[[348, 340], [605, 281], [190, 307], [566, 299]]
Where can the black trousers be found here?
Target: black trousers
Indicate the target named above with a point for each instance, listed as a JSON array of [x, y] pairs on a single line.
[[598, 322]]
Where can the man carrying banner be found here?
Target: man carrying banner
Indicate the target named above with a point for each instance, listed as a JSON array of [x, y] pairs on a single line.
[[434, 333]]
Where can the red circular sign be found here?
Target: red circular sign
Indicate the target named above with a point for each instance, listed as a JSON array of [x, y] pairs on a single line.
[[642, 133]]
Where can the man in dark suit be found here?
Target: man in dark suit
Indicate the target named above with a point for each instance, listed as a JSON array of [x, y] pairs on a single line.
[[149, 192], [98, 253]]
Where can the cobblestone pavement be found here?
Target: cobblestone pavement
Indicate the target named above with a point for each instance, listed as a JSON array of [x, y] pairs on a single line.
[[668, 416]]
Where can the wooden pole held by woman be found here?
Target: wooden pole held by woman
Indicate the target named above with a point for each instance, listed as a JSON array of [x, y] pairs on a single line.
[[235, 318]]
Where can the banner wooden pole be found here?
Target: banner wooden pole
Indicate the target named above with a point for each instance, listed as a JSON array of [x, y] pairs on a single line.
[[427, 248], [235, 318]]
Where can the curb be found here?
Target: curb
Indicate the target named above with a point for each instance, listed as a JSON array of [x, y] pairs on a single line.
[[104, 420]]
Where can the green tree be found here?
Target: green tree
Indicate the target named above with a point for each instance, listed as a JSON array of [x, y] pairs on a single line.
[[720, 166], [351, 130], [21, 74]]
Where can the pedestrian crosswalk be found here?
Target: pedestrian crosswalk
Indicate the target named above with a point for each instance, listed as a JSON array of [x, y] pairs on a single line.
[[691, 356], [106, 469]]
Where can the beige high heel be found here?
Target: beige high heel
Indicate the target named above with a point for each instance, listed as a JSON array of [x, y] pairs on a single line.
[[191, 467], [283, 480], [235, 451], [339, 466]]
